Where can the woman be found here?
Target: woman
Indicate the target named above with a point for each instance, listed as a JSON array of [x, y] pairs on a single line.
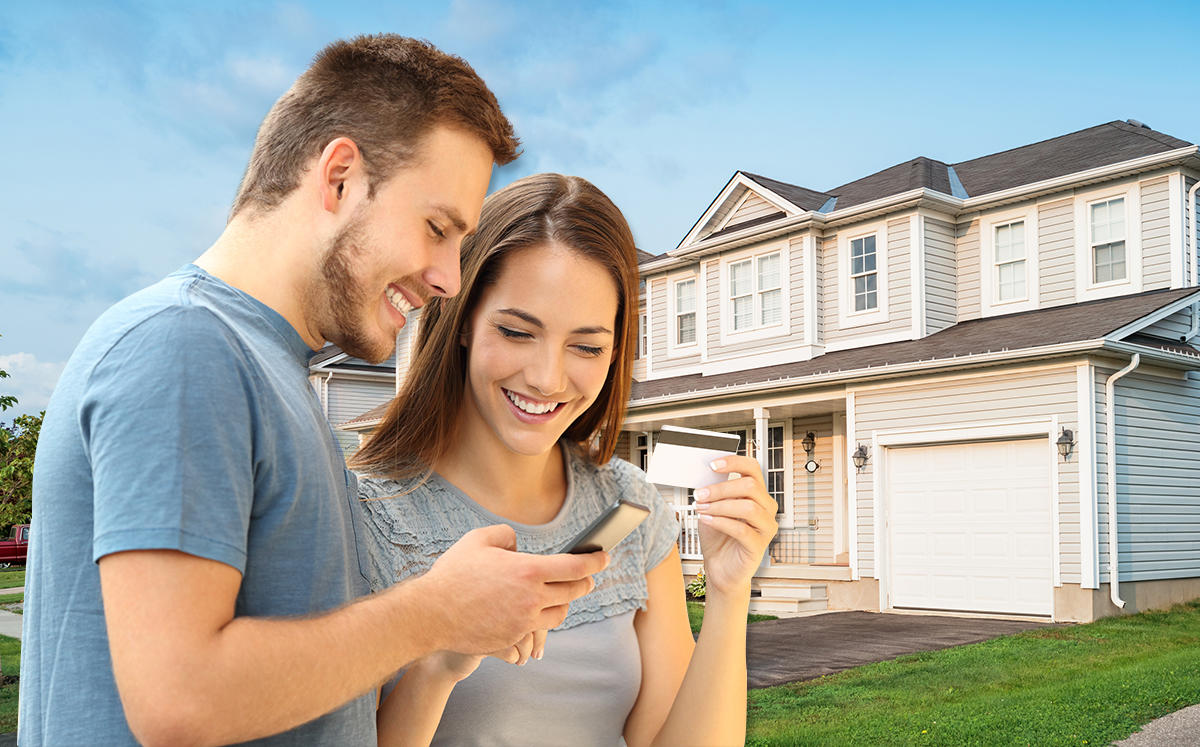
[[511, 413]]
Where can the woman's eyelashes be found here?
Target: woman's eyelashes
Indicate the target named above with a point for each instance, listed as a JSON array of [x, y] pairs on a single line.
[[436, 230], [591, 351]]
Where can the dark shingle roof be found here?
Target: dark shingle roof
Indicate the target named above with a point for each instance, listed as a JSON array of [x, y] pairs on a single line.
[[806, 199], [644, 256], [1089, 320], [370, 416], [1086, 149], [747, 224]]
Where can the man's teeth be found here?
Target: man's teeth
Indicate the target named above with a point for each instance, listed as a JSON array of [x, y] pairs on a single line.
[[530, 407], [398, 301]]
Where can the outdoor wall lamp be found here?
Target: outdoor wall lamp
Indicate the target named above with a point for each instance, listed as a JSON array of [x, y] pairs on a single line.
[[809, 443], [860, 457], [1066, 444]]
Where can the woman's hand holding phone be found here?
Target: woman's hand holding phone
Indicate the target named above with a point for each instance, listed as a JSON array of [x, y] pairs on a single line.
[[737, 523]]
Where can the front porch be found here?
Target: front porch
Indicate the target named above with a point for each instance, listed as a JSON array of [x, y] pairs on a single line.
[[811, 551]]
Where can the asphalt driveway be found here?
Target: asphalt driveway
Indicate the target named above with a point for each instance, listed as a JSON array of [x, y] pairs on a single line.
[[803, 648]]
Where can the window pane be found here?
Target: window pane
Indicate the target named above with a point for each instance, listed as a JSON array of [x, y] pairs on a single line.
[[1109, 262], [741, 449], [856, 266], [772, 307], [768, 272], [856, 248], [743, 313], [686, 329], [685, 296], [739, 279], [1010, 279], [869, 244], [1010, 242], [869, 261], [1116, 219]]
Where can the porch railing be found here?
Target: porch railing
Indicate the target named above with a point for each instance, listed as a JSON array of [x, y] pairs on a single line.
[[689, 532]]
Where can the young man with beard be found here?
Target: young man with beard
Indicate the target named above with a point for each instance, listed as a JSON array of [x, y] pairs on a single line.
[[194, 559]]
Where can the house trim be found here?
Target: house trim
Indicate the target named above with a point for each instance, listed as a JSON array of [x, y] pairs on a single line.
[[739, 179], [852, 485], [809, 278], [1145, 321], [916, 255], [757, 360], [674, 348], [1085, 439], [1175, 194], [757, 332], [862, 341]]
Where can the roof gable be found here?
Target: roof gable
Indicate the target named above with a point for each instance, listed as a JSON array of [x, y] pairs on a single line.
[[748, 200]]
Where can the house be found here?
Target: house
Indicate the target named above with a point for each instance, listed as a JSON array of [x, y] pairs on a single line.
[[929, 362], [347, 386]]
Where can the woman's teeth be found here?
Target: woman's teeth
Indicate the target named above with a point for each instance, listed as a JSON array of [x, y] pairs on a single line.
[[532, 408], [398, 301]]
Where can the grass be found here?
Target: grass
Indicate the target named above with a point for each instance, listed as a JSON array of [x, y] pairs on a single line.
[[10, 662], [696, 615], [8, 599], [10, 579], [1081, 685]]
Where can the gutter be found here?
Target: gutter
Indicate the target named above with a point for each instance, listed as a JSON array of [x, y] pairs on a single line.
[[1110, 416], [1191, 204]]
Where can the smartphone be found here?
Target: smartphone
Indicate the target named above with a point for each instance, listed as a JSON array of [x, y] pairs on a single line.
[[607, 531]]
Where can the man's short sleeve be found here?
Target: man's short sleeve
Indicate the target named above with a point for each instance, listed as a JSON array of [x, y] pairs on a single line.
[[168, 427]]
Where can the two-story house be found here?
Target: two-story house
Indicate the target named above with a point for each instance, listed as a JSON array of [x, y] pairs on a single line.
[[948, 371]]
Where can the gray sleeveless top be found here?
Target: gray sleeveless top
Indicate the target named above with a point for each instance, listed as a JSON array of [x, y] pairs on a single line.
[[581, 692]]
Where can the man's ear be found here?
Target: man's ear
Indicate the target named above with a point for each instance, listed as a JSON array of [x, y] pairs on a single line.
[[340, 174]]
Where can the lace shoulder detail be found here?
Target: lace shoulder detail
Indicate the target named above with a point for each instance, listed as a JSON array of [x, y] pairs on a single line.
[[410, 524]]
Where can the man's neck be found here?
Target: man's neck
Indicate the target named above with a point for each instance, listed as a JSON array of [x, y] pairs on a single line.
[[272, 258]]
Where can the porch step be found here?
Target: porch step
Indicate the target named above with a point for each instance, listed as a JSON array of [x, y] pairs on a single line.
[[787, 608], [785, 597]]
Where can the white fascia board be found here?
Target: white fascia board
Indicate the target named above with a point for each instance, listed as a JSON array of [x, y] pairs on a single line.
[[329, 362], [1145, 321], [739, 179], [361, 426]]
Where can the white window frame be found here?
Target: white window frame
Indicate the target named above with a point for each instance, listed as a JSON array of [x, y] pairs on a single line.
[[991, 305], [674, 347], [643, 335], [1085, 287], [847, 316], [756, 331]]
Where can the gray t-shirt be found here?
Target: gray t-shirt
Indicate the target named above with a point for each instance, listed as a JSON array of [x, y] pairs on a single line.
[[184, 420], [581, 692]]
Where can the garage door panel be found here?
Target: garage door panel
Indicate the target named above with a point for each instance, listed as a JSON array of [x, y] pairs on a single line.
[[970, 527]]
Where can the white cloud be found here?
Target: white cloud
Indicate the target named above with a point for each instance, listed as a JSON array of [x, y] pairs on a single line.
[[31, 381], [267, 75]]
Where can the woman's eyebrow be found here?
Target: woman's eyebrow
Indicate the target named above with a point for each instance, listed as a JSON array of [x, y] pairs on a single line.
[[531, 319]]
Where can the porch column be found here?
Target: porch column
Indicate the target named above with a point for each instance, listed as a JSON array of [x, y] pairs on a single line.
[[761, 417]]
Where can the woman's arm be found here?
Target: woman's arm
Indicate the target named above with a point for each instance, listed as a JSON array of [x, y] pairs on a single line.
[[411, 712], [698, 696]]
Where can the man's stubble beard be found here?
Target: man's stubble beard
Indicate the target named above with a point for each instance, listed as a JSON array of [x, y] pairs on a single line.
[[347, 307]]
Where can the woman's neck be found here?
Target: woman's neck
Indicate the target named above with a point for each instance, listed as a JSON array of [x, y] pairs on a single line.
[[522, 488]]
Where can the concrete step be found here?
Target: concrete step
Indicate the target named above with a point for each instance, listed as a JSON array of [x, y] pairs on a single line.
[[787, 607], [788, 589]]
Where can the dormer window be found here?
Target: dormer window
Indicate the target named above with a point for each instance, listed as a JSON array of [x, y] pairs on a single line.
[[1107, 240], [864, 274]]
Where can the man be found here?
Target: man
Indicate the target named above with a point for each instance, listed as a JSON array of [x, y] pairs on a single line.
[[194, 556]]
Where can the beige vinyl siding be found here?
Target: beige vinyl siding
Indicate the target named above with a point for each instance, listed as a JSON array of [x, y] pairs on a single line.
[[812, 498], [1056, 252], [941, 284], [898, 279], [821, 260], [963, 401], [967, 240], [1173, 327], [754, 207], [660, 321], [712, 302], [349, 398], [717, 217], [624, 441], [1156, 233], [1158, 474]]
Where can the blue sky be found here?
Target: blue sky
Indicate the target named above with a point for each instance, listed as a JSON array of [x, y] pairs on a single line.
[[127, 125]]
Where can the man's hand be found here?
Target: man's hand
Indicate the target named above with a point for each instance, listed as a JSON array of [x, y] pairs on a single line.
[[484, 596]]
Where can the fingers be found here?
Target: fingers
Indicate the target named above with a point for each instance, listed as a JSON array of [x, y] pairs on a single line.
[[743, 487], [744, 534], [539, 643], [497, 535], [743, 465], [565, 592], [567, 567]]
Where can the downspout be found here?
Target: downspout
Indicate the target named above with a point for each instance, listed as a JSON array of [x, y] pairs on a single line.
[[1110, 418], [1191, 205], [325, 394]]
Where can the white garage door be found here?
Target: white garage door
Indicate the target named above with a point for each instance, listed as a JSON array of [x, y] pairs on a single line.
[[971, 527]]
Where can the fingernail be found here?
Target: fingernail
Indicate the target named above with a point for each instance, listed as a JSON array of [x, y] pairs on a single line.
[[538, 655], [706, 518], [718, 464], [702, 493]]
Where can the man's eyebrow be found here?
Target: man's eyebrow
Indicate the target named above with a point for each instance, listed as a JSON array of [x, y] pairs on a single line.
[[531, 319], [452, 215]]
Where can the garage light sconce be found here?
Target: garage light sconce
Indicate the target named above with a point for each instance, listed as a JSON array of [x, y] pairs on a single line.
[[809, 443], [1066, 444], [860, 457]]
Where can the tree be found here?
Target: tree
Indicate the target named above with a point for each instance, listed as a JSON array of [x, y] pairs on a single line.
[[18, 442]]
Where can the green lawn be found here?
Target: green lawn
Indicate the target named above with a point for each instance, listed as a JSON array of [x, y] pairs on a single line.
[[696, 615], [1086, 684], [10, 662], [10, 579]]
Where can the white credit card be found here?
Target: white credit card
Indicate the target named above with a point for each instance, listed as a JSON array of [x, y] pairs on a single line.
[[682, 456]]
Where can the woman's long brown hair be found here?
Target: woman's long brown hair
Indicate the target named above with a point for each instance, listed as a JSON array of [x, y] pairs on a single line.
[[545, 208]]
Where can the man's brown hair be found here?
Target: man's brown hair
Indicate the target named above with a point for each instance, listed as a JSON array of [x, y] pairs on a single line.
[[535, 211], [385, 92]]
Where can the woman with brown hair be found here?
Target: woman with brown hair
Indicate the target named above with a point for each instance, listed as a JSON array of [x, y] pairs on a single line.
[[510, 415]]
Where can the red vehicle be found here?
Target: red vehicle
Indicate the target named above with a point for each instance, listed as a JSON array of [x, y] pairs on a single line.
[[16, 547]]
